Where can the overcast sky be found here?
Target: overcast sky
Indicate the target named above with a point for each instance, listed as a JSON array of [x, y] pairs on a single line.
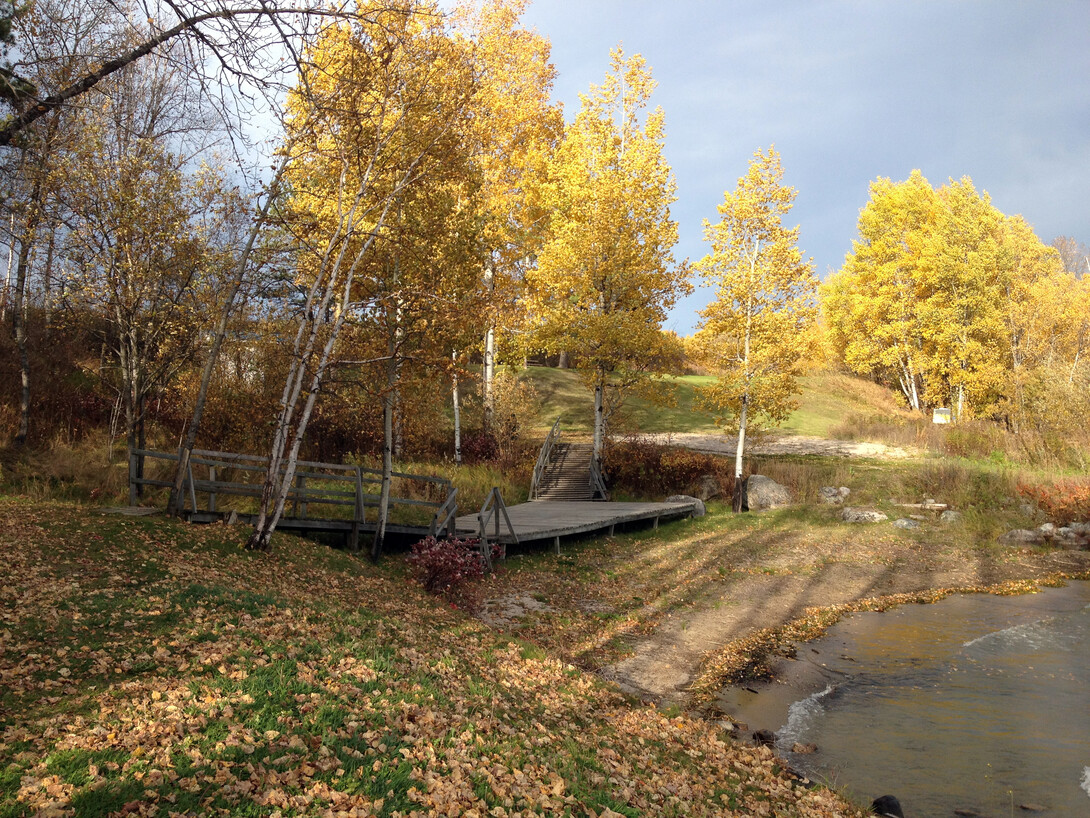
[[849, 91]]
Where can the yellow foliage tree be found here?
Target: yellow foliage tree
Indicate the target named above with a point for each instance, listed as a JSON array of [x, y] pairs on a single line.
[[515, 128], [605, 278], [949, 299], [755, 333], [378, 101]]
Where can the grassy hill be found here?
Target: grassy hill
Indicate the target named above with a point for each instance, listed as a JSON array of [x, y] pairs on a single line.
[[827, 401], [154, 668]]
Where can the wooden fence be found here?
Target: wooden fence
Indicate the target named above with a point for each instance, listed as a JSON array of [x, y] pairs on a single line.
[[329, 486]]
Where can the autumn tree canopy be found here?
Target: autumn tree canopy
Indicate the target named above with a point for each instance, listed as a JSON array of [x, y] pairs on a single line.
[[606, 276], [755, 333], [949, 300]]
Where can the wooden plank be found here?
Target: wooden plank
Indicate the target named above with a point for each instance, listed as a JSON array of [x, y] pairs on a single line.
[[544, 520]]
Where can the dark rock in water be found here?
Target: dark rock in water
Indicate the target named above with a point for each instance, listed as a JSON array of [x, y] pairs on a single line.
[[968, 813], [764, 738], [1033, 808], [887, 805], [803, 749]]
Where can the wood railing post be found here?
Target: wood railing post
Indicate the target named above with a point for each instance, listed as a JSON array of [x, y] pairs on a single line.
[[212, 488], [132, 478], [301, 488], [360, 512], [192, 487]]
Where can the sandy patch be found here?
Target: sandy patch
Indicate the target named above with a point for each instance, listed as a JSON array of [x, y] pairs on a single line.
[[785, 444]]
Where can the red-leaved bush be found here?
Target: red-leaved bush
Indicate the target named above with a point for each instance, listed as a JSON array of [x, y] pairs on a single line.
[[1066, 501], [646, 468], [448, 568]]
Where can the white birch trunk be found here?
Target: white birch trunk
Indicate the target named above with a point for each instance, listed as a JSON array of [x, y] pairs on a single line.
[[457, 413], [599, 420], [174, 503]]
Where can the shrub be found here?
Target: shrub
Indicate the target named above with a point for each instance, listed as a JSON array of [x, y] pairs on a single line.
[[645, 468], [478, 446], [449, 568], [1064, 502]]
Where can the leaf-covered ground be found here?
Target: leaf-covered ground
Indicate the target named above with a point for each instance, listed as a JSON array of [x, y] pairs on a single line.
[[153, 668]]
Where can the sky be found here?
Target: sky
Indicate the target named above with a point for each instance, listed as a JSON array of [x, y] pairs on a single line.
[[849, 91]]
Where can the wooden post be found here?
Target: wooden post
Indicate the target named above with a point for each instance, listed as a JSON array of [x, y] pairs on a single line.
[[358, 514], [299, 507], [192, 489], [132, 478], [212, 488], [556, 542]]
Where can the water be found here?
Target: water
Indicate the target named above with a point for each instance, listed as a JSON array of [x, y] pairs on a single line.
[[974, 703]]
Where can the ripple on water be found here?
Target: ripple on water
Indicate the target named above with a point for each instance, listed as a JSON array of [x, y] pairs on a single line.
[[974, 702]]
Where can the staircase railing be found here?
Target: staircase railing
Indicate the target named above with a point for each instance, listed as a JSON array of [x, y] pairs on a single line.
[[597, 481], [543, 460]]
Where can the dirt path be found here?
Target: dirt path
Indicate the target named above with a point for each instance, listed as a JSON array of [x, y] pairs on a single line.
[[786, 444]]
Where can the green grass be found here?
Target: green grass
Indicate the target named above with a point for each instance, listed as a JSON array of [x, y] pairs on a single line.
[[175, 672], [827, 399]]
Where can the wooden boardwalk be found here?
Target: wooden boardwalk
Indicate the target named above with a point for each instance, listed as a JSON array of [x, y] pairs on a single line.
[[551, 520]]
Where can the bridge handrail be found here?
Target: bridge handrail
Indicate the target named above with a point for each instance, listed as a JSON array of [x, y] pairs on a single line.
[[597, 480], [446, 514], [543, 458], [490, 512], [299, 494]]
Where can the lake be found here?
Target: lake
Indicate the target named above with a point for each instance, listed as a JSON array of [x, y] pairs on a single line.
[[975, 703]]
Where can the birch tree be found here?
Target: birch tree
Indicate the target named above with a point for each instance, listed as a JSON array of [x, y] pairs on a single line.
[[606, 277], [755, 332], [362, 119], [515, 128], [149, 237], [950, 300]]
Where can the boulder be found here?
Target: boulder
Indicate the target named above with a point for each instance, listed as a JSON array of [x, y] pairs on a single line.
[[764, 738], [832, 496], [862, 515], [707, 487], [906, 524], [763, 492], [1020, 537], [1048, 530], [887, 805], [950, 516], [698, 510], [1083, 529], [1069, 537]]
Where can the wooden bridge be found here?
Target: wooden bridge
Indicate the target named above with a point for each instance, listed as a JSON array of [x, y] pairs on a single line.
[[339, 499]]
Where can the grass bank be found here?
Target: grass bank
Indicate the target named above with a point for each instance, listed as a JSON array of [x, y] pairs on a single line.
[[154, 668]]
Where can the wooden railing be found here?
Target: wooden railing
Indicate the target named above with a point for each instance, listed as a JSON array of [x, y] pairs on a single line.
[[543, 459], [491, 511], [314, 484], [597, 481]]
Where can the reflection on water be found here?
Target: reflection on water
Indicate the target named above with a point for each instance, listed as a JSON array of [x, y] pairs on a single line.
[[973, 703]]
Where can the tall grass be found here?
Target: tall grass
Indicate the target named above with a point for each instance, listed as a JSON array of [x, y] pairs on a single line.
[[89, 469]]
